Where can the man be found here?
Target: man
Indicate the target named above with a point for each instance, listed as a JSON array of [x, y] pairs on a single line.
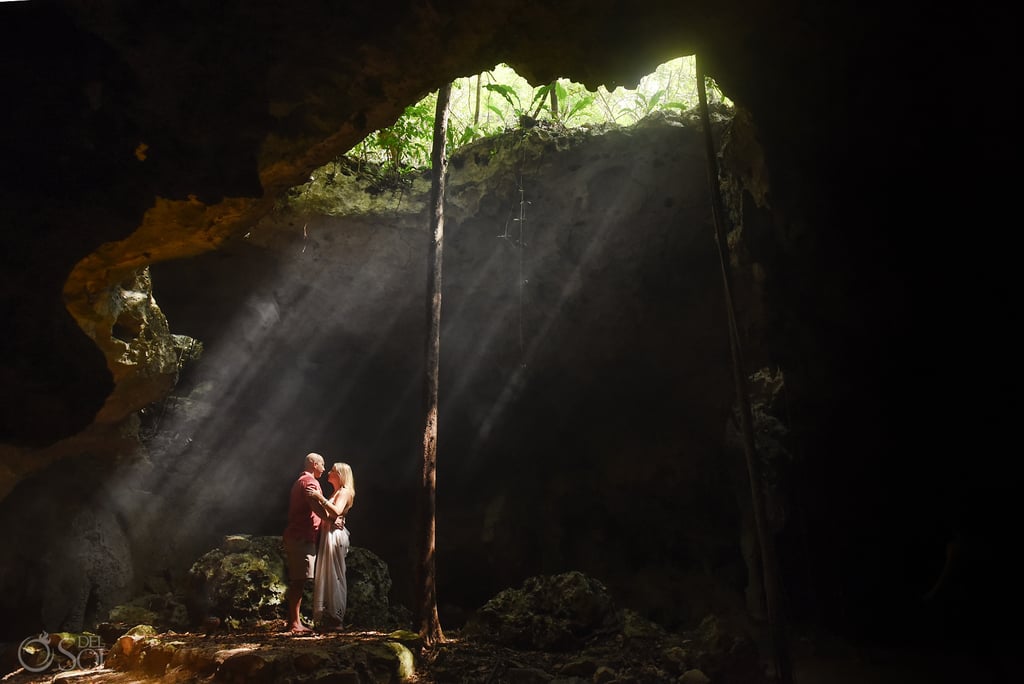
[[305, 511]]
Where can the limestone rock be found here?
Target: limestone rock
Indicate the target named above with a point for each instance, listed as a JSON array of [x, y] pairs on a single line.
[[369, 583], [248, 583], [724, 652], [555, 613], [245, 579]]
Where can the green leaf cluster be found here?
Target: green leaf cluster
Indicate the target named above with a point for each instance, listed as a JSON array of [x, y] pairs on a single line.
[[499, 99]]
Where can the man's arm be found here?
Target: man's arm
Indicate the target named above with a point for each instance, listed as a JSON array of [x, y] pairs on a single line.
[[317, 502]]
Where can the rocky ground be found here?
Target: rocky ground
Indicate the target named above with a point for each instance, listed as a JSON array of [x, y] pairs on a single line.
[[558, 629], [267, 654], [463, 660]]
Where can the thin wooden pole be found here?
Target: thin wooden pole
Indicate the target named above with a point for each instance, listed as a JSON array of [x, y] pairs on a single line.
[[769, 560], [429, 623]]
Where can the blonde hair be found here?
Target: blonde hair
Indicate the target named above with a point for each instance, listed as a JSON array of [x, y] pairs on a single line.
[[347, 480]]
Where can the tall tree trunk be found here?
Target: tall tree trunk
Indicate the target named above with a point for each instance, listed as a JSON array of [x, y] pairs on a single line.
[[429, 624], [476, 110], [554, 100], [769, 561]]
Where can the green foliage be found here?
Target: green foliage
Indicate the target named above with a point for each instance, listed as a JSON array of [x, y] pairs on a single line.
[[457, 137], [404, 145], [478, 109], [407, 141], [642, 104], [577, 108], [509, 94]]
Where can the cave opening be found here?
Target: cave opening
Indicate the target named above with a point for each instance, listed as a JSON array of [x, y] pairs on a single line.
[[310, 326]]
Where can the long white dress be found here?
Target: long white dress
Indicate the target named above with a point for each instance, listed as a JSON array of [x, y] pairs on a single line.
[[330, 588]]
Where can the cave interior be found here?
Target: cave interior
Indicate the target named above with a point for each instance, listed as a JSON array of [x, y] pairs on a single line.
[[146, 149]]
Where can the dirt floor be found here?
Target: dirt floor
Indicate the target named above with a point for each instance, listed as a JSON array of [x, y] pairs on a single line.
[[465, 662]]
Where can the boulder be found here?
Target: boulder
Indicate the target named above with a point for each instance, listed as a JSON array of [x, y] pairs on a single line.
[[245, 579], [548, 613]]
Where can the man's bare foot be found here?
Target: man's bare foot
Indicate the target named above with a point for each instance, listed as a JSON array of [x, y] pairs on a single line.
[[297, 629]]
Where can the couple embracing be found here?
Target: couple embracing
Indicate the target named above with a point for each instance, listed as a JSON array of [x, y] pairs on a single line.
[[316, 543]]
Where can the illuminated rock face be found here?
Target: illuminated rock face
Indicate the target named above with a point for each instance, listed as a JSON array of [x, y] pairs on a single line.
[[583, 353], [585, 342], [142, 134]]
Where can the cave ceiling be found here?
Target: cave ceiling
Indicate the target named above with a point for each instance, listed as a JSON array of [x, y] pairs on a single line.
[[154, 133]]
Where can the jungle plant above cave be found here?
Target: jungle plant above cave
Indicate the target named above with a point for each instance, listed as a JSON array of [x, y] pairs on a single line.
[[499, 99]]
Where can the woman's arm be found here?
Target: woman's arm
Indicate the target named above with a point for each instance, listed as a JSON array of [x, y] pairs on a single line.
[[332, 510], [317, 502], [337, 509]]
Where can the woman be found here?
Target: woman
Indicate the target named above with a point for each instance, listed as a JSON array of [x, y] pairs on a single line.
[[330, 588]]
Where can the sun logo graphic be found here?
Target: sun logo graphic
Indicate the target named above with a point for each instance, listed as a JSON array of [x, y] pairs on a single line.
[[36, 653]]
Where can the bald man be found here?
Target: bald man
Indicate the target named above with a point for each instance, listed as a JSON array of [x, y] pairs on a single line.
[[305, 511]]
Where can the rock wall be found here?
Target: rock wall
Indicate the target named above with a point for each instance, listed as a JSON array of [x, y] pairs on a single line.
[[584, 376], [584, 367]]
